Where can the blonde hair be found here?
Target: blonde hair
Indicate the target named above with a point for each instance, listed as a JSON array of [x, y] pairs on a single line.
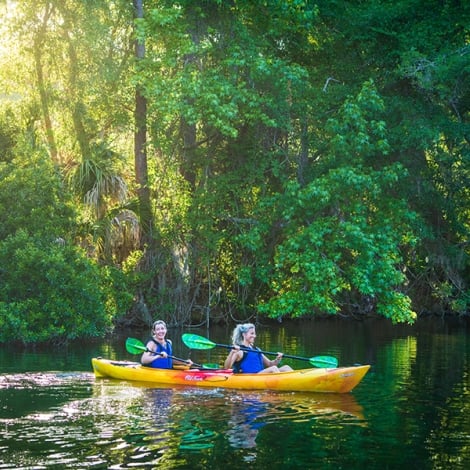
[[239, 330], [158, 322]]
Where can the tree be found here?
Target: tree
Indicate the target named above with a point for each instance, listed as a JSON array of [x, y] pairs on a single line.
[[338, 240], [140, 136], [50, 290], [276, 158], [417, 53]]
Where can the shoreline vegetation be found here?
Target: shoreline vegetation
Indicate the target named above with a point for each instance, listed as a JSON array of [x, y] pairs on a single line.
[[210, 162]]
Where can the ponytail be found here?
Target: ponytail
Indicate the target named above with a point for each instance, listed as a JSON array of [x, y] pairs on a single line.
[[239, 330]]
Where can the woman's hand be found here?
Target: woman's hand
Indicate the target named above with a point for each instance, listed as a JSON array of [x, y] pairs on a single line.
[[278, 358]]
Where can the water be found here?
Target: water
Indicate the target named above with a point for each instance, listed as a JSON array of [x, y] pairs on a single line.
[[411, 409]]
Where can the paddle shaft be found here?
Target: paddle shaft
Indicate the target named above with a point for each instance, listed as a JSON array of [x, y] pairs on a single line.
[[194, 364], [133, 344], [199, 342], [172, 357], [259, 351], [145, 349]]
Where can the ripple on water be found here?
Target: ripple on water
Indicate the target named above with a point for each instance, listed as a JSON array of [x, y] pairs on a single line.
[[72, 420]]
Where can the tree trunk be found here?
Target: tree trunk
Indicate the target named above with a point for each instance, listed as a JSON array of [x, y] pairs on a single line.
[[78, 108], [140, 142], [38, 43]]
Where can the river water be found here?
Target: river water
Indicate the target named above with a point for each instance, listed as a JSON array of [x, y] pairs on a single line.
[[411, 410]]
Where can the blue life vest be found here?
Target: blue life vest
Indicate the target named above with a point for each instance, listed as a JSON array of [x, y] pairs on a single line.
[[251, 363], [159, 362]]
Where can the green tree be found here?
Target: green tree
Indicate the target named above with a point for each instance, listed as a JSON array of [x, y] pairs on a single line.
[[49, 289], [417, 53], [218, 135], [298, 158], [338, 240]]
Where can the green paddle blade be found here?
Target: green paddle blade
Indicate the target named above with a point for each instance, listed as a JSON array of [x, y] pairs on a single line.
[[134, 346], [324, 361], [210, 365], [197, 342]]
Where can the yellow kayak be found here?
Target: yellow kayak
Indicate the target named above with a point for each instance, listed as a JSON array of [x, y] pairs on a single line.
[[327, 380]]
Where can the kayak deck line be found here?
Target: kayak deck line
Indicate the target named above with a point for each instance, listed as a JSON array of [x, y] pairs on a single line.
[[138, 364], [327, 380]]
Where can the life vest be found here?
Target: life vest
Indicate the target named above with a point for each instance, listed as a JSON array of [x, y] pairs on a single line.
[[160, 362], [251, 362]]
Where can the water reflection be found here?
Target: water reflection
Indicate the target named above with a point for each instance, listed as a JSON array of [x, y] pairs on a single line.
[[75, 421], [410, 410], [169, 419], [22, 394], [247, 416], [169, 411], [251, 412]]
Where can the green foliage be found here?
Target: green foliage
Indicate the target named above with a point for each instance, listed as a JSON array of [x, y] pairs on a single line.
[[49, 292], [339, 238], [31, 198], [341, 242], [49, 289], [302, 158], [417, 53], [357, 135], [225, 75], [8, 131]]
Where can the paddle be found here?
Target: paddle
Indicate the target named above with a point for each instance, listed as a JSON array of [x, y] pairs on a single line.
[[134, 346], [199, 342]]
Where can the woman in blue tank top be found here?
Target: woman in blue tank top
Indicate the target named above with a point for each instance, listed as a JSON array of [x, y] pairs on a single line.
[[246, 358], [159, 352]]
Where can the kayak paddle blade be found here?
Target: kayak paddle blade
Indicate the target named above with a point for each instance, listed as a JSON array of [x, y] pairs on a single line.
[[211, 365], [197, 342], [324, 361], [134, 346]]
